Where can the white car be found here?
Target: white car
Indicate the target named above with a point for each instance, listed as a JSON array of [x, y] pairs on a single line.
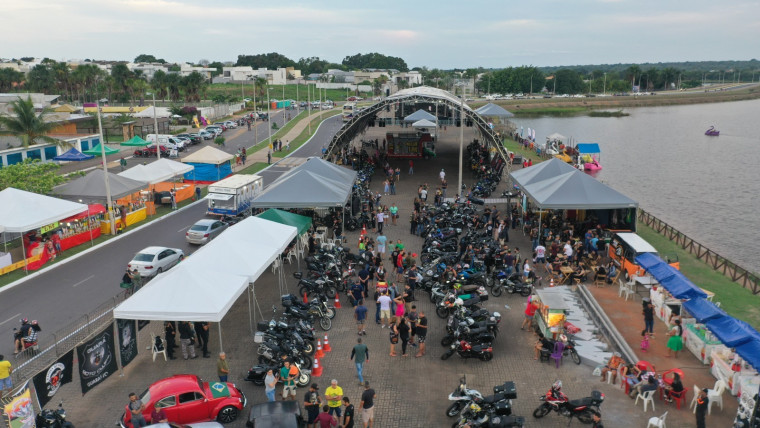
[[153, 260], [230, 124]]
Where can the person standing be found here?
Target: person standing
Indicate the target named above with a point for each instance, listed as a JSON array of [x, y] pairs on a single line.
[[360, 314], [173, 196], [675, 343], [334, 396], [201, 331], [122, 163], [530, 312], [411, 167], [360, 355], [170, 332], [269, 157], [442, 176], [186, 340], [222, 368], [348, 414], [424, 194], [288, 382], [270, 381], [380, 220], [5, 375], [311, 403], [648, 316], [701, 408], [136, 407], [381, 239], [421, 331], [325, 419], [394, 213], [367, 404], [197, 193], [398, 174], [403, 332], [385, 309]]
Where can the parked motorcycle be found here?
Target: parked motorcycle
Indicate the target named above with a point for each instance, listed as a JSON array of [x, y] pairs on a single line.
[[48, 418], [465, 349], [258, 373], [318, 286], [461, 397], [557, 401]]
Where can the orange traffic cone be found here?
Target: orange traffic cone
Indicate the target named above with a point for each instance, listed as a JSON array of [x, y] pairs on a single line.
[[551, 283], [337, 301], [328, 348], [305, 299], [316, 371], [319, 353]]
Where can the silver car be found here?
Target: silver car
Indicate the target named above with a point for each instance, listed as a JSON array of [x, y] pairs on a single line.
[[204, 231], [153, 260]]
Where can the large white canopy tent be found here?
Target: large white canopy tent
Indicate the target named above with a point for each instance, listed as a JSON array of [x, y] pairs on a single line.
[[243, 251], [157, 172]]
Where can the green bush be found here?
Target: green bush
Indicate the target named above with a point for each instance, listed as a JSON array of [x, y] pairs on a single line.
[[219, 141]]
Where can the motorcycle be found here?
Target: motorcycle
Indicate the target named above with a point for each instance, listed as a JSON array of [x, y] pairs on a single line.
[[582, 408], [511, 283], [461, 397], [258, 373], [271, 352], [319, 286], [483, 351], [53, 418]]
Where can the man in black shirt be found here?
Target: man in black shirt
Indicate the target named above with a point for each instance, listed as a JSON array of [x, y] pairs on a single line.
[[368, 406], [421, 331], [311, 402], [201, 331], [169, 335], [348, 416], [185, 339], [543, 344]]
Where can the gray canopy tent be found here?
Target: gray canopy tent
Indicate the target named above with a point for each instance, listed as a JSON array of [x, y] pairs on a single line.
[[542, 171], [419, 115], [92, 187], [493, 110]]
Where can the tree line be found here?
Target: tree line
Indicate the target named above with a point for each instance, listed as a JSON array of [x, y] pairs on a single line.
[[311, 65]]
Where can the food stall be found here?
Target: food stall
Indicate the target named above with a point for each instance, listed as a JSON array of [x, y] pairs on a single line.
[[551, 314], [700, 342], [135, 209], [83, 227], [730, 367]]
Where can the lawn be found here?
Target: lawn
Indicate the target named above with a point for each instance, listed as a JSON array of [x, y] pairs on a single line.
[[280, 131], [516, 147]]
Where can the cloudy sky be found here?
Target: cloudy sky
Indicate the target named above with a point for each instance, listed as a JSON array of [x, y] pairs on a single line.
[[442, 33]]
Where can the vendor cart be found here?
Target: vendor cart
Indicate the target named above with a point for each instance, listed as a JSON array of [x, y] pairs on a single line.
[[551, 314]]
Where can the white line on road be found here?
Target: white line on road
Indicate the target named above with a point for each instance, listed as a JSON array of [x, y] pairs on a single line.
[[183, 229], [11, 318], [84, 280]]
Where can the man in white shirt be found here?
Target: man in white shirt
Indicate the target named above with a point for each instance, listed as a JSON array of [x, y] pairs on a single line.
[[568, 250], [380, 221], [423, 194], [540, 254], [385, 309], [442, 175]]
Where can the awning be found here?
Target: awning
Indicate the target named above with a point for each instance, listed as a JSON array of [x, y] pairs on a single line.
[[135, 141], [731, 331], [750, 351], [703, 310], [21, 211], [313, 184], [588, 148], [493, 110], [157, 172], [424, 123], [219, 196], [681, 287], [73, 155], [576, 190], [649, 260], [208, 155], [540, 171], [656, 266], [300, 222], [92, 187], [96, 151], [419, 115]]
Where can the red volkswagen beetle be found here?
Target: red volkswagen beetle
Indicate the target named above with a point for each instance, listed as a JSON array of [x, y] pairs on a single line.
[[188, 399]]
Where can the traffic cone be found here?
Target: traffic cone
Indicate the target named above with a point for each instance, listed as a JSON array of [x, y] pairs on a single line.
[[551, 283], [327, 347], [319, 353], [305, 299], [316, 371], [337, 301]]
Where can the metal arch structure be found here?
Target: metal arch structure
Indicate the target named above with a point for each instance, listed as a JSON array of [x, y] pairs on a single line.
[[360, 121]]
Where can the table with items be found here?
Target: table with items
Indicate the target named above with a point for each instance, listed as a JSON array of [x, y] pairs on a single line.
[[700, 341]]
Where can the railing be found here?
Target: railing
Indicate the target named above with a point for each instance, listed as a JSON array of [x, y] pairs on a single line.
[[736, 273], [30, 362], [605, 326]]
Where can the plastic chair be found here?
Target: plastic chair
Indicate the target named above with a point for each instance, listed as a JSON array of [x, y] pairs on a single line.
[[557, 354], [657, 422], [645, 366], [678, 397], [276, 265], [669, 380], [716, 395], [648, 397], [289, 257], [159, 347], [694, 400]]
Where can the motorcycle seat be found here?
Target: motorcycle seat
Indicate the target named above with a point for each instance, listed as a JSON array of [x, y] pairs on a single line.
[[481, 347], [586, 401], [495, 398]]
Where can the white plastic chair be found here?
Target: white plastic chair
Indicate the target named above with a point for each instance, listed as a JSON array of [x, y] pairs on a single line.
[[155, 349], [694, 400], [657, 422], [716, 395], [289, 257], [625, 288], [647, 397], [276, 265]]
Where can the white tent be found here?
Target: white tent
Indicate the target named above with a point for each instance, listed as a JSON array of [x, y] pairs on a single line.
[[209, 155], [184, 293], [424, 123], [556, 136], [21, 211], [148, 112], [157, 172]]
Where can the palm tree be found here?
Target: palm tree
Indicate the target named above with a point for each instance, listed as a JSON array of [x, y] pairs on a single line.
[[192, 85], [30, 127]]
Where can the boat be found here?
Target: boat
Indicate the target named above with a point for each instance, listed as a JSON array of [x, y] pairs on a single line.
[[593, 165], [712, 132], [587, 156]]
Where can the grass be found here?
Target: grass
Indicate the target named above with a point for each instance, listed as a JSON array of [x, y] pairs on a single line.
[[280, 131], [516, 147], [616, 113], [737, 301], [304, 136], [253, 168], [549, 111]]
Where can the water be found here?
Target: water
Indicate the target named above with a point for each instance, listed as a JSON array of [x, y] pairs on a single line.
[[706, 187]]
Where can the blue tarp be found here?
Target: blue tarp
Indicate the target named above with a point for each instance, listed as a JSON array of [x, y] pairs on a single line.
[[662, 272], [731, 331], [73, 155], [588, 148], [703, 310], [648, 260], [681, 287], [204, 172], [750, 351]]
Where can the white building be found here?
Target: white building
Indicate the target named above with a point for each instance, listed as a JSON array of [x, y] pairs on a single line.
[[245, 73], [410, 77]]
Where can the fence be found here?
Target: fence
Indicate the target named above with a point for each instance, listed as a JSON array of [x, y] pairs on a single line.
[[29, 363], [719, 263]]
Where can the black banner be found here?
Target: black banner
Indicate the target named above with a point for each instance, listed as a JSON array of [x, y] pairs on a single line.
[[127, 341], [47, 382], [97, 359], [142, 323]]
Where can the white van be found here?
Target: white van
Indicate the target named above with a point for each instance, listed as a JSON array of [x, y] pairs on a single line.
[[167, 140]]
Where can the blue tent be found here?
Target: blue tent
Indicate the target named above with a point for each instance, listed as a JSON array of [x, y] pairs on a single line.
[[731, 331], [208, 173], [584, 148], [703, 310], [750, 351], [73, 155], [681, 287], [648, 260], [662, 272]]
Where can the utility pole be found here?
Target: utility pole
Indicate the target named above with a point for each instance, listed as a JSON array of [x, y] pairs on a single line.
[[155, 127], [605, 83], [109, 202], [461, 140]]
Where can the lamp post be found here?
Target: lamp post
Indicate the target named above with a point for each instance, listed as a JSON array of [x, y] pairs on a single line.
[[605, 83], [308, 105], [269, 114], [155, 125], [109, 203], [461, 140]]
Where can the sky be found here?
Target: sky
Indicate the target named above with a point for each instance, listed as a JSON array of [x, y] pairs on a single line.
[[437, 34]]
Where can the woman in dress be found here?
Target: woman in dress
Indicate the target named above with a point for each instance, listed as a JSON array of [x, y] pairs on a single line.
[[675, 343]]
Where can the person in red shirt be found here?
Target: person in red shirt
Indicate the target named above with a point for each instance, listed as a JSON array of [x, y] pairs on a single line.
[[325, 419], [530, 311], [158, 415]]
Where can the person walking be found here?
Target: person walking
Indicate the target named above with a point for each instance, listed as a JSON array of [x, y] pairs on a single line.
[[287, 146], [123, 163], [5, 375], [385, 309], [421, 331], [348, 414], [381, 239], [201, 331], [380, 220], [394, 212], [170, 332], [334, 397], [136, 407], [173, 197], [367, 404], [403, 332], [648, 312], [311, 402], [360, 355], [270, 382], [411, 167], [530, 311], [222, 368], [360, 314], [288, 377], [393, 336], [186, 340], [197, 193], [269, 157], [442, 176], [675, 343]]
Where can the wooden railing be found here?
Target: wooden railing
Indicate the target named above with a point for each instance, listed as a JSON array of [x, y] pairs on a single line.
[[738, 274]]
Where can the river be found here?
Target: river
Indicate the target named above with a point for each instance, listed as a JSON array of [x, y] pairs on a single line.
[[706, 187]]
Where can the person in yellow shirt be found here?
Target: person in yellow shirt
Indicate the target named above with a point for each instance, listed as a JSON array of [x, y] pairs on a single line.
[[5, 377], [334, 396]]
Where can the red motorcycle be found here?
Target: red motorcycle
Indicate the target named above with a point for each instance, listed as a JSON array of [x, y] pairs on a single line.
[[583, 408]]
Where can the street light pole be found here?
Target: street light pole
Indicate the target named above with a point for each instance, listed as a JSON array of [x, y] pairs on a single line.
[[269, 114], [461, 140], [155, 127], [308, 105], [109, 203]]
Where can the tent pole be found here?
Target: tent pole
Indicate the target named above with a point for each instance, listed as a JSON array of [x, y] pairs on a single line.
[[250, 317], [221, 348], [23, 254], [538, 238], [116, 334]]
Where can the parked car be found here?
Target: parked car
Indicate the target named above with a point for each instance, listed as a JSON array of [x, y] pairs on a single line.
[[280, 414], [153, 260], [150, 151], [221, 125], [204, 230], [195, 138], [230, 124], [186, 142], [215, 129], [303, 104], [187, 399]]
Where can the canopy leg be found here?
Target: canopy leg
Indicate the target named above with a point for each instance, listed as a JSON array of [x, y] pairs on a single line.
[[250, 317], [221, 348]]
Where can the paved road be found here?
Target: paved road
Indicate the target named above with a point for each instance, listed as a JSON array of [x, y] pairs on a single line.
[[65, 293]]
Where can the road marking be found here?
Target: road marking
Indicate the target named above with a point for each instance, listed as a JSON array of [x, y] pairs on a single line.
[[183, 229], [84, 280], [11, 318]]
